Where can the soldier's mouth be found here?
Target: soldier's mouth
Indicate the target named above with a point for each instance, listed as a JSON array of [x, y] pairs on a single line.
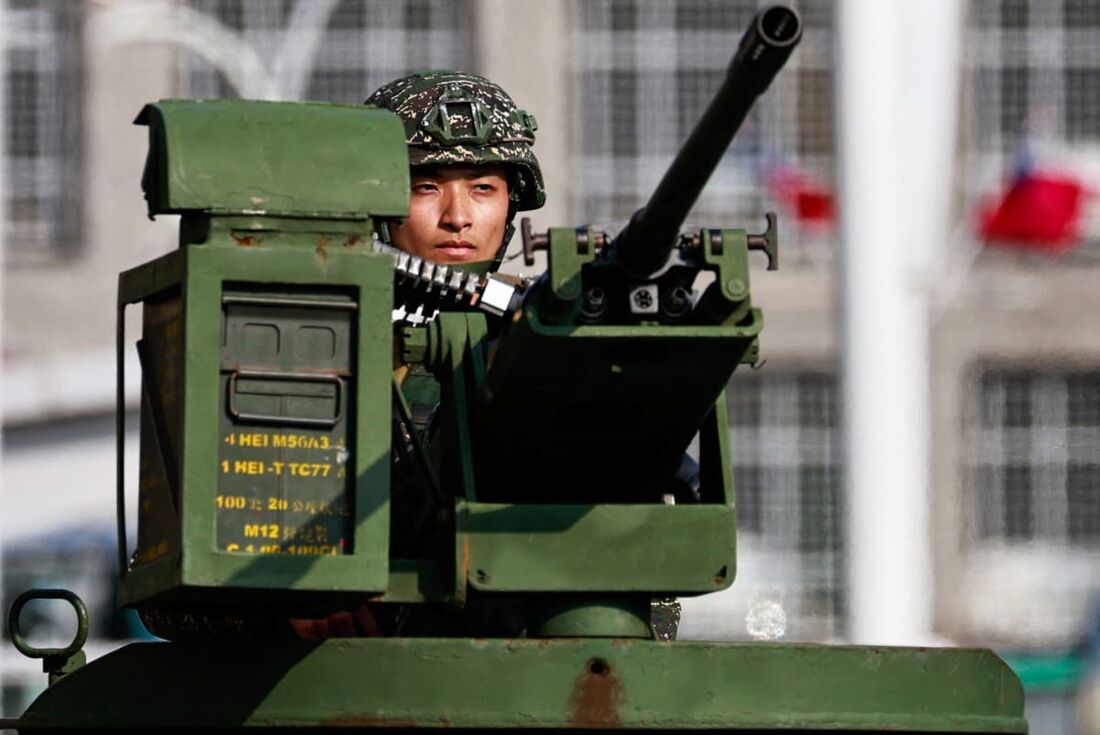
[[457, 249]]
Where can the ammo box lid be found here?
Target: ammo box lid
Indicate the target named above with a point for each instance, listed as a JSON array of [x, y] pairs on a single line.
[[274, 158]]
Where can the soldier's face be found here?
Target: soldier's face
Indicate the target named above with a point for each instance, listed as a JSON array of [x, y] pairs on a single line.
[[457, 214]]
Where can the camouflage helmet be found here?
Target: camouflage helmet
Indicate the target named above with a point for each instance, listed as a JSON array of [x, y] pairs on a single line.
[[457, 118]]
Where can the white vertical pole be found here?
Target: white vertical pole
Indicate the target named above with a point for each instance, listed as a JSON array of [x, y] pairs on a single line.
[[536, 67], [897, 68], [3, 265]]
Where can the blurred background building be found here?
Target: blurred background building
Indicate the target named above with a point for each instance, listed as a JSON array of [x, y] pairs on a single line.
[[1010, 290]]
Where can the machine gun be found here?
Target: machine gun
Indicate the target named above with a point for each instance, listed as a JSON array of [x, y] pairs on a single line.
[[644, 247], [273, 420], [618, 360], [650, 265]]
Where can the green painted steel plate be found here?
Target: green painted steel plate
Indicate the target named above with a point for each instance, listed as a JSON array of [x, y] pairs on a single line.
[[563, 548], [275, 158], [533, 683]]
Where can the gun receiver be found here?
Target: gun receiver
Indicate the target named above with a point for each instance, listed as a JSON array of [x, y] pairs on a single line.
[[646, 243]]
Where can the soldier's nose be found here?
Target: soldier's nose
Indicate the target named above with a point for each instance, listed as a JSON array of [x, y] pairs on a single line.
[[456, 214]]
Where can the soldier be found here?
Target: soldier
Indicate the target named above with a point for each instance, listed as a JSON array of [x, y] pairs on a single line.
[[472, 167], [471, 170]]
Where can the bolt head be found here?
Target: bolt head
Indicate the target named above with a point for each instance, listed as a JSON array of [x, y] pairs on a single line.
[[736, 287]]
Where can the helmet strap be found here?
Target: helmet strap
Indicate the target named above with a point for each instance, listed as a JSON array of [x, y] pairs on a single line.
[[382, 227], [509, 230]]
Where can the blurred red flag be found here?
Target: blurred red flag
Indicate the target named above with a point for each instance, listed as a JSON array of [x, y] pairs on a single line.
[[811, 203], [1038, 210]]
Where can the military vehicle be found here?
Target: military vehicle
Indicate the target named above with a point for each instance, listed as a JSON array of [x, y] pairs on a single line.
[[509, 549]]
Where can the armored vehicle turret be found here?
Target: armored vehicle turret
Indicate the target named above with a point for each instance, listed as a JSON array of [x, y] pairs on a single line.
[[509, 550]]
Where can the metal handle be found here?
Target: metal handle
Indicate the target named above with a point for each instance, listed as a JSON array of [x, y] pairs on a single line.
[[285, 420], [768, 241], [30, 651]]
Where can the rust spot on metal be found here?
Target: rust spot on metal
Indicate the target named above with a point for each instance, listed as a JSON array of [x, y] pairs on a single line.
[[322, 246], [246, 241], [465, 556], [352, 241], [597, 696]]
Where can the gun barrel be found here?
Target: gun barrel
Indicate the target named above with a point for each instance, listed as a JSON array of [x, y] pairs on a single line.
[[645, 244]]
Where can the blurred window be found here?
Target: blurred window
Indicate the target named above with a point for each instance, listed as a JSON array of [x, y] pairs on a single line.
[[42, 150], [1035, 457], [784, 447], [648, 68], [366, 43], [1032, 478]]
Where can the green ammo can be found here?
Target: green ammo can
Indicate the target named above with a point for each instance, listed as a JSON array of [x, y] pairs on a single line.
[[266, 350]]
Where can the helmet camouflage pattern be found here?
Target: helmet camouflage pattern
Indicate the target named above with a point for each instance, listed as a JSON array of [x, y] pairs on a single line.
[[456, 118]]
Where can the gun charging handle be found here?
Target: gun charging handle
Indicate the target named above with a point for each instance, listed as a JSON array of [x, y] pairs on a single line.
[[531, 241], [768, 241]]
